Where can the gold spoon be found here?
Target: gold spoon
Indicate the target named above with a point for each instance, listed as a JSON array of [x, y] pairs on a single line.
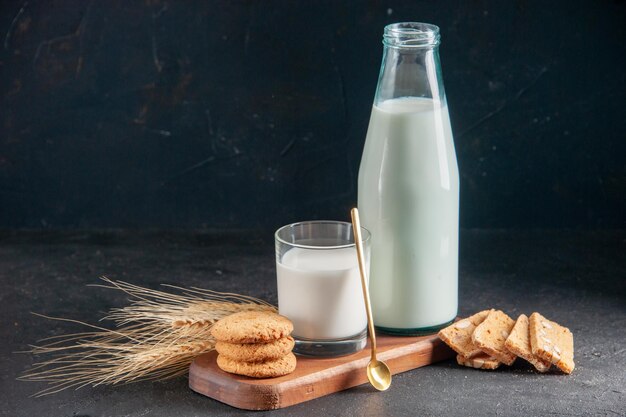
[[377, 371]]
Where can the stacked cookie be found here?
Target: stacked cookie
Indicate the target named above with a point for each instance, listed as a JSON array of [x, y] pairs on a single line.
[[490, 338], [255, 344]]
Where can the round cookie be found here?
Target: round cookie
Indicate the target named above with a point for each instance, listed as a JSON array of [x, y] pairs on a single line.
[[255, 352], [251, 327], [267, 369]]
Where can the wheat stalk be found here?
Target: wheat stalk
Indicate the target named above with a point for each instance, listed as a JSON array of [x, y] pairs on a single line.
[[157, 336]]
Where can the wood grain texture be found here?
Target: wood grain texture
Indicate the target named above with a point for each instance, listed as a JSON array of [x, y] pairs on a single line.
[[313, 378]]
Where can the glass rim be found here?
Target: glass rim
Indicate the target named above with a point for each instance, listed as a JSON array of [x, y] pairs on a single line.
[[365, 237], [411, 35]]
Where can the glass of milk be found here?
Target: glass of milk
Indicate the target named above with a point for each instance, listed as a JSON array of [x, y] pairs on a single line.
[[319, 288]]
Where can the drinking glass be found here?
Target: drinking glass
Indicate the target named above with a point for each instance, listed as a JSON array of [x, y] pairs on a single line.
[[319, 288]]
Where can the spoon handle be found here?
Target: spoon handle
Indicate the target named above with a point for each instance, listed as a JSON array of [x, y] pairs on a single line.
[[356, 227]]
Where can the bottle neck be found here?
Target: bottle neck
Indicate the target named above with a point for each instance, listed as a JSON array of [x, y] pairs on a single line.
[[411, 66]]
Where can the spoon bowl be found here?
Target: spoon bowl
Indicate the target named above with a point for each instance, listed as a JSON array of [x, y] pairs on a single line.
[[379, 374]]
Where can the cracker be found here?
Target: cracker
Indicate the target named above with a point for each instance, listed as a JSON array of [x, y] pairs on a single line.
[[490, 335], [482, 361], [552, 342], [518, 343], [255, 352], [458, 335], [267, 369], [251, 327]]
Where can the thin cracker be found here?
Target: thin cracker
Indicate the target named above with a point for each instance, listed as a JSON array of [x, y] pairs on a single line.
[[491, 334], [481, 361], [552, 342], [458, 335], [518, 343]]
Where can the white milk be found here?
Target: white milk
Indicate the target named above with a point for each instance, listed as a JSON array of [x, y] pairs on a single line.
[[320, 292], [408, 199]]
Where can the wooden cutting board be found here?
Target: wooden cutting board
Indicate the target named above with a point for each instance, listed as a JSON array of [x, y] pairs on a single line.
[[313, 378]]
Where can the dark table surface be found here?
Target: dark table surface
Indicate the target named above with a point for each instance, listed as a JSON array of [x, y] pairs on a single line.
[[575, 278]]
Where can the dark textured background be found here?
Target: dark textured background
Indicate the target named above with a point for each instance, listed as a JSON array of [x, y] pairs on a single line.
[[215, 114]]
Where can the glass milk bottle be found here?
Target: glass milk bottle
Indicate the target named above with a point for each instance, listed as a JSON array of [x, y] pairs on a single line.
[[409, 188]]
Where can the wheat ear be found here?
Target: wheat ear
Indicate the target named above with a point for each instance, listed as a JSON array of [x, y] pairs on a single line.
[[156, 337]]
